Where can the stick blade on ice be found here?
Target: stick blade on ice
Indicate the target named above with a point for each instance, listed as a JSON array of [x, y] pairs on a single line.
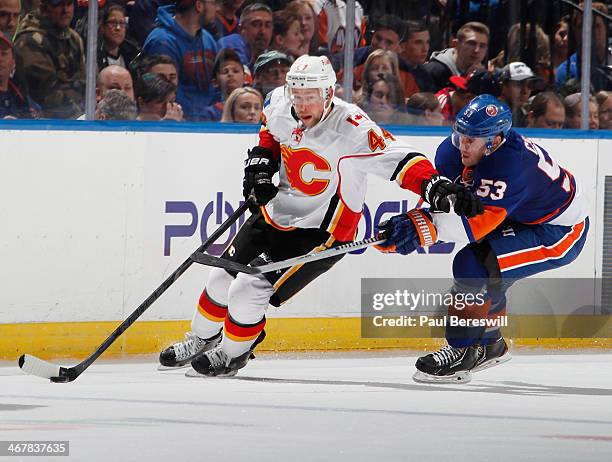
[[36, 366]]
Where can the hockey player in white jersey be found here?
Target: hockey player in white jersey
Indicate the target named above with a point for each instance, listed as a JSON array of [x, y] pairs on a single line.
[[323, 148]]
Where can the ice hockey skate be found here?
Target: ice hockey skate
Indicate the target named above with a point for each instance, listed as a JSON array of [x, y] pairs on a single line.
[[182, 353], [448, 365], [216, 363], [492, 355]]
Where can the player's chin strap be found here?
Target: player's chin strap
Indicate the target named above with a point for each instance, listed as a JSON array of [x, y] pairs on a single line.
[[329, 99]]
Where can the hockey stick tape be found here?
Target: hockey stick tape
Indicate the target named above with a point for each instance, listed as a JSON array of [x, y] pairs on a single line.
[[425, 228]]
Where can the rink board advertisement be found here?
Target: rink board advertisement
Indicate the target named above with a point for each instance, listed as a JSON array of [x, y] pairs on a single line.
[[94, 222]]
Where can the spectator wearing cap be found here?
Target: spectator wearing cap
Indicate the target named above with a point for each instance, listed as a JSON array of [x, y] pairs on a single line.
[[114, 46], [573, 117], [13, 103], [467, 53], [254, 34], [287, 35], [50, 60], [226, 20], [517, 80], [9, 17], [270, 71], [454, 97], [546, 111], [180, 35], [604, 109]]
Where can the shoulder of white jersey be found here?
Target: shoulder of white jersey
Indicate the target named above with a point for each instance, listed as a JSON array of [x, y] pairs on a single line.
[[350, 119], [347, 108], [275, 97], [275, 103], [318, 5]]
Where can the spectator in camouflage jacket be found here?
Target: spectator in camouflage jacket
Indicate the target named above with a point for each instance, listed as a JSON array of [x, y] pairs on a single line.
[[50, 60]]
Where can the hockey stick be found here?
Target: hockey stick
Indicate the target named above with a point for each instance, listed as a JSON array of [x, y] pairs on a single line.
[[209, 260], [36, 366]]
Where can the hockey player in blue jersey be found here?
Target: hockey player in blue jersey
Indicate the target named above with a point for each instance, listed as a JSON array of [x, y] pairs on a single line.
[[534, 220]]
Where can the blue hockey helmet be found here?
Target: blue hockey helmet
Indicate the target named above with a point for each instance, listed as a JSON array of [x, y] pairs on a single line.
[[483, 117]]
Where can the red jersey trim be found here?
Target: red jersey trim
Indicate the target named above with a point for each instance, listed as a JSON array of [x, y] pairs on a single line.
[[414, 173], [266, 140]]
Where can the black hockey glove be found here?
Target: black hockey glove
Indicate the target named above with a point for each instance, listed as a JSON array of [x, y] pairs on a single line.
[[441, 194], [259, 168]]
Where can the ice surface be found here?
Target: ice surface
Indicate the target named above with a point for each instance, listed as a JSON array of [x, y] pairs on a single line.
[[356, 408]]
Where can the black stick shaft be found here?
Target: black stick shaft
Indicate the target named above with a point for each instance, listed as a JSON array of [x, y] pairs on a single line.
[[78, 369]]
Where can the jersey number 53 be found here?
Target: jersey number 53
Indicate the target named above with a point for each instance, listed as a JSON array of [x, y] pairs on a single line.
[[491, 188]]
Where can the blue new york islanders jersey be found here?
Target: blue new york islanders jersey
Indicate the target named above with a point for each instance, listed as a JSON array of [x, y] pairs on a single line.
[[519, 182]]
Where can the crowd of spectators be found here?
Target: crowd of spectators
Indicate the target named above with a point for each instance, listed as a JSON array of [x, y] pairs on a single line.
[[216, 60]]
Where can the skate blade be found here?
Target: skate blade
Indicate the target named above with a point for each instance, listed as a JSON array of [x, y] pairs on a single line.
[[457, 377], [493, 362], [192, 373], [162, 368]]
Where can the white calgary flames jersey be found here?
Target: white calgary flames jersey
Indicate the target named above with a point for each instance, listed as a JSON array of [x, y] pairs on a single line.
[[323, 169], [332, 24]]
